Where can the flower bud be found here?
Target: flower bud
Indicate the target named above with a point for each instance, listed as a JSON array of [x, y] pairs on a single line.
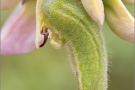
[[95, 9], [119, 19]]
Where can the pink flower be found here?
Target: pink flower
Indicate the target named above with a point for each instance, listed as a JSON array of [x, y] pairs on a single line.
[[18, 33]]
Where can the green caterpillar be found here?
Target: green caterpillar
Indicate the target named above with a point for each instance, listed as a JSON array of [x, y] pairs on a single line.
[[75, 27]]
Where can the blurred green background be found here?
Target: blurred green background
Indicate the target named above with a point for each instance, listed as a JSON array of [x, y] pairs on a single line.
[[48, 69]]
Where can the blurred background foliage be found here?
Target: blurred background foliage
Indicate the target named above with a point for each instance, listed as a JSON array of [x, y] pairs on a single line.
[[49, 69]]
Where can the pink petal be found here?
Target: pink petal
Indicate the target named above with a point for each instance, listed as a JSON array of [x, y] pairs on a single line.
[[18, 33], [6, 4]]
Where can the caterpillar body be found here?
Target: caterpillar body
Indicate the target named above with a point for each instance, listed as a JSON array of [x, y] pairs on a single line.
[[83, 36]]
